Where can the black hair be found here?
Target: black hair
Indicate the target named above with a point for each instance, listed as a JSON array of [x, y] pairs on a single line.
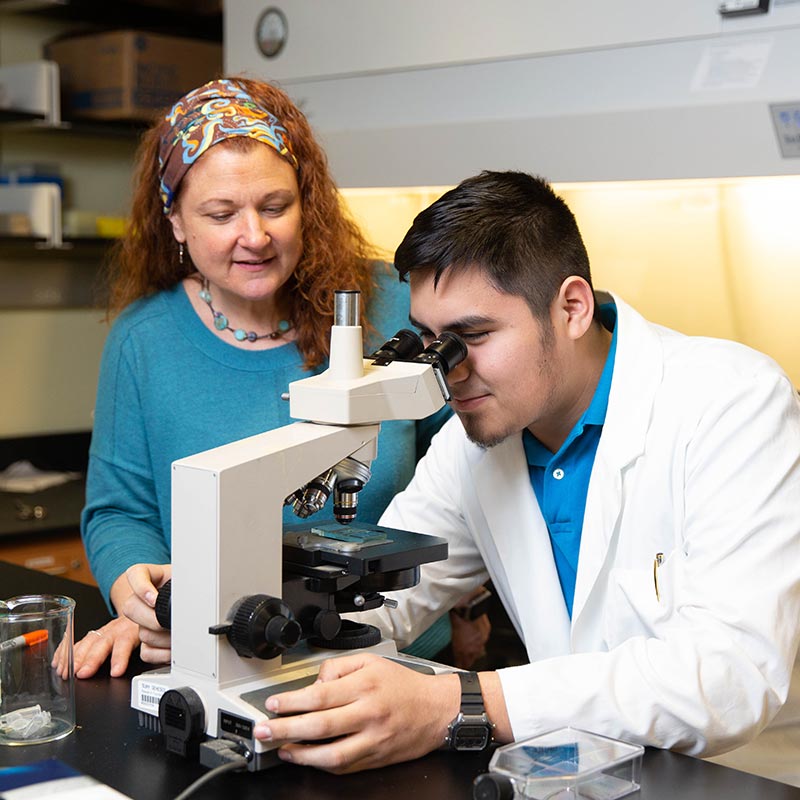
[[511, 225]]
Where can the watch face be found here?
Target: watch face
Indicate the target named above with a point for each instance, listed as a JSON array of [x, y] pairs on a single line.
[[468, 736]]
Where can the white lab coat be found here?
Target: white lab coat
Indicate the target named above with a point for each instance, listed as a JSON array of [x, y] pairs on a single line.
[[699, 460]]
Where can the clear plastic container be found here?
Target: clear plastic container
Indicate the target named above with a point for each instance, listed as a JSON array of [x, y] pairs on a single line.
[[564, 764]]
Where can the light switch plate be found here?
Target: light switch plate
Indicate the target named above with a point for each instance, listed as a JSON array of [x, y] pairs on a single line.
[[786, 119]]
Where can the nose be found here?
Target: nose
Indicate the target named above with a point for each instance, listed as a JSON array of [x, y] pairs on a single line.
[[254, 231]]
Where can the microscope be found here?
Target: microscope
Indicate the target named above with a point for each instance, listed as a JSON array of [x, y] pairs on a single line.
[[254, 608]]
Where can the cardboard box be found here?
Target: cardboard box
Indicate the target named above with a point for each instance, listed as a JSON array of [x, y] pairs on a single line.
[[129, 75]]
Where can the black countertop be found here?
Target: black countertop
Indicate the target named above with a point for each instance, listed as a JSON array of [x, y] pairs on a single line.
[[109, 746]]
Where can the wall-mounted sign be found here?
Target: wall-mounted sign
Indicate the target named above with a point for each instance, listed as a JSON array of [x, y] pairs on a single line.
[[732, 8]]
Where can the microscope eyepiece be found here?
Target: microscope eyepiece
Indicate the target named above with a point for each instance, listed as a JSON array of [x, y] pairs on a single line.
[[347, 307], [405, 345], [444, 353]]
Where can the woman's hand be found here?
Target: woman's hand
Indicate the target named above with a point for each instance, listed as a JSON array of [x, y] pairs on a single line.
[[144, 581], [134, 593], [117, 638], [470, 634], [469, 639]]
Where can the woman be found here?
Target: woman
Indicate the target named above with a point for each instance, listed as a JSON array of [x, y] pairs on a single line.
[[224, 289]]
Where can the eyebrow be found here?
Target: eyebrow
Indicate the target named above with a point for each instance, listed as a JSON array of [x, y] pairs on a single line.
[[457, 325], [274, 194]]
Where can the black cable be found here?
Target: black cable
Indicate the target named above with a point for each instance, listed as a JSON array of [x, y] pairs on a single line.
[[229, 766]]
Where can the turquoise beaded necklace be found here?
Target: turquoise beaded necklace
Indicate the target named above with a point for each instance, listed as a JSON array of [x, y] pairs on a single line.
[[240, 334]]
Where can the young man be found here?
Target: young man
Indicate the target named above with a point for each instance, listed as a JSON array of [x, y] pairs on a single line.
[[631, 492]]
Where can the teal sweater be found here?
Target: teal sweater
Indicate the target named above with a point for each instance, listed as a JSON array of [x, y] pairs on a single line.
[[169, 388]]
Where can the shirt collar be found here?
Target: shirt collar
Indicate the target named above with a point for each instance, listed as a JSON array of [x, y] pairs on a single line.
[[595, 414], [536, 453]]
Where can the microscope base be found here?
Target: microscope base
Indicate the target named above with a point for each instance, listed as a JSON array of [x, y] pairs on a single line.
[[194, 708]]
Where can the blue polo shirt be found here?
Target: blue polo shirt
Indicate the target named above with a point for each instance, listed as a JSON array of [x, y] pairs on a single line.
[[561, 480]]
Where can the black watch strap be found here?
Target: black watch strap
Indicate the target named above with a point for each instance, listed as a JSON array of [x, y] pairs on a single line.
[[471, 730], [471, 697]]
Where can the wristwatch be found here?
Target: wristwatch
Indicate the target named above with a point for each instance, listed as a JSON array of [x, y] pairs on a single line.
[[471, 730]]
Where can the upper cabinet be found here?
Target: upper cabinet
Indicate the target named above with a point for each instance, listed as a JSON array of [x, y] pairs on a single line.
[[351, 37], [574, 91]]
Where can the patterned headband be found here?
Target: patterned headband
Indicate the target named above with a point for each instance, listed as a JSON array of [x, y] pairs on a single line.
[[217, 111]]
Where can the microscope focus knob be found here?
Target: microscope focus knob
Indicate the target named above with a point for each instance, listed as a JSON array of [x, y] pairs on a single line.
[[263, 627], [327, 625], [163, 607], [492, 786]]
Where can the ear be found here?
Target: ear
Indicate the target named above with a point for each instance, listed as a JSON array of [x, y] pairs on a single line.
[[574, 306], [177, 226]]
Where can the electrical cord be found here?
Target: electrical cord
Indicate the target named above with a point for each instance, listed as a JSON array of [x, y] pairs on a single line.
[[237, 762]]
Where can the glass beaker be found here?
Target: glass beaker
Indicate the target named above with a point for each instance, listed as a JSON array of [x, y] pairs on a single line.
[[36, 704]]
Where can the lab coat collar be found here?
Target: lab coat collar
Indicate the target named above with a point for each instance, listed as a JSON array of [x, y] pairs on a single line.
[[520, 537], [512, 513], [638, 369]]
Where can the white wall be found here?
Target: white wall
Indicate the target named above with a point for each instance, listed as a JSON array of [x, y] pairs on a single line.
[[49, 362]]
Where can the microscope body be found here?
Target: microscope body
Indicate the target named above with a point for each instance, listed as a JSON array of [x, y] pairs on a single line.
[[232, 561]]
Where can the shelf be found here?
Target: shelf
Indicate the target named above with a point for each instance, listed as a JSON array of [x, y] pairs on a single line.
[[201, 19], [124, 128], [17, 245], [20, 121], [115, 129], [10, 115], [36, 84]]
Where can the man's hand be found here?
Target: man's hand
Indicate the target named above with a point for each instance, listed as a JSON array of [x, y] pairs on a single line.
[[144, 581], [376, 711]]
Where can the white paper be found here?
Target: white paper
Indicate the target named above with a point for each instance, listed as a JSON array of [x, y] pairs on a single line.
[[22, 476]]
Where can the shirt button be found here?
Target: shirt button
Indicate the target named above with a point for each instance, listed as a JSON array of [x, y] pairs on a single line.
[[558, 474]]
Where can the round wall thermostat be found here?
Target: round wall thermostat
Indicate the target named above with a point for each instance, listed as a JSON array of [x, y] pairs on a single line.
[[271, 32]]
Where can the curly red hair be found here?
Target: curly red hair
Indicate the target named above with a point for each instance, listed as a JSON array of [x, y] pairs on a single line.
[[336, 255]]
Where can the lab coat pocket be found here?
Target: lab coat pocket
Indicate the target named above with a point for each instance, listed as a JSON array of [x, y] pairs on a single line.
[[642, 601]]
